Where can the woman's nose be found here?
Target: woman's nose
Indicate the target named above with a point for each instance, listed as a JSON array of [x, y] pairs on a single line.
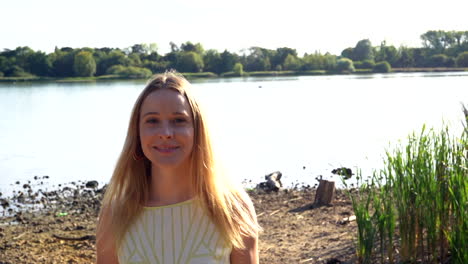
[[166, 131]]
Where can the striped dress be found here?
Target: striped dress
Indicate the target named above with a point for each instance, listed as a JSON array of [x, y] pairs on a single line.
[[178, 233]]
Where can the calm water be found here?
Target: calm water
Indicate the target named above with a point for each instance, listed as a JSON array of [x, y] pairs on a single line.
[[75, 131]]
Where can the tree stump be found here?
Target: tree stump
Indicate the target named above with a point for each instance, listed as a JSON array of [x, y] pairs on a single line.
[[325, 192]]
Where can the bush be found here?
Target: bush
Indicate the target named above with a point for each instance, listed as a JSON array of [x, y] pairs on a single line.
[[382, 67], [1, 74], [462, 59], [345, 65], [367, 64], [129, 72], [439, 60]]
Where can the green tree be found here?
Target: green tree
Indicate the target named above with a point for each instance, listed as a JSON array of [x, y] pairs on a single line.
[[313, 62], [348, 53], [62, 62], [228, 60], [84, 64], [386, 53], [189, 46], [5, 64], [189, 62], [291, 63], [39, 64], [279, 56], [238, 69], [114, 57], [363, 51], [462, 59], [437, 40], [405, 58], [257, 60], [135, 59], [345, 65], [212, 61]]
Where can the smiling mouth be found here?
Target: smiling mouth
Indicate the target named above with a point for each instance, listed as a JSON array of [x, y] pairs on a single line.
[[166, 149]]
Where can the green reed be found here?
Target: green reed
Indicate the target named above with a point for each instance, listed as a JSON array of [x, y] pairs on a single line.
[[422, 193], [361, 198]]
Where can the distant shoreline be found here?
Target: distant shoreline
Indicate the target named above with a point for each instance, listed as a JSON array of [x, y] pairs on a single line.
[[206, 75]]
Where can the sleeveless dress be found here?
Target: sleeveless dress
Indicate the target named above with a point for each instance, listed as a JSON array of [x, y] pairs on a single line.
[[178, 233]]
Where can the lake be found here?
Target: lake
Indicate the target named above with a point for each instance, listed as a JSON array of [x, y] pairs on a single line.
[[302, 126]]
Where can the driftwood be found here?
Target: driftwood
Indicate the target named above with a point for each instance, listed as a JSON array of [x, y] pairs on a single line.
[[325, 192], [87, 237]]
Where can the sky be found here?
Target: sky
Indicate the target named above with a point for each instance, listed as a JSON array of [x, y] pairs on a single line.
[[308, 26]]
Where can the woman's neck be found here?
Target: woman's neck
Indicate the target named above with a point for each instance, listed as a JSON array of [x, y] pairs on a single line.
[[169, 186]]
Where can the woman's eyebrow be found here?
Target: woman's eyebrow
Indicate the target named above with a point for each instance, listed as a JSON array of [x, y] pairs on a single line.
[[184, 113], [151, 113]]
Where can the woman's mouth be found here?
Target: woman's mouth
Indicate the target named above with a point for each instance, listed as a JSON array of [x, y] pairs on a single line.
[[166, 149]]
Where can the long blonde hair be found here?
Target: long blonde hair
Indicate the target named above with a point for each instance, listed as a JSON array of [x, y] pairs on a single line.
[[227, 205]]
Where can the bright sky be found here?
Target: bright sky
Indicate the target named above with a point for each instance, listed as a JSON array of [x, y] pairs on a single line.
[[308, 25]]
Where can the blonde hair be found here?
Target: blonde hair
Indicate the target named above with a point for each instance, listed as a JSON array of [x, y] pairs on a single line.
[[227, 205]]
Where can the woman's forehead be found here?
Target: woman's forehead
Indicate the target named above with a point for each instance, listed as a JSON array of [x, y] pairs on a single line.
[[165, 100]]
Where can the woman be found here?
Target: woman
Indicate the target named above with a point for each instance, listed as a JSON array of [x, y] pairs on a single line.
[[166, 201]]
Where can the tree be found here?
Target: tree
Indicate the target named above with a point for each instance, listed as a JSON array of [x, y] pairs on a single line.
[[84, 64], [345, 65], [238, 69], [39, 64], [189, 62], [279, 56], [227, 61], [313, 62], [189, 46], [386, 53], [62, 62], [363, 51], [258, 60], [291, 63], [462, 59], [348, 53], [212, 61], [405, 57], [437, 40]]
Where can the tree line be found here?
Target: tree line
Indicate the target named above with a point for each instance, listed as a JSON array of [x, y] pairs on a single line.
[[439, 49]]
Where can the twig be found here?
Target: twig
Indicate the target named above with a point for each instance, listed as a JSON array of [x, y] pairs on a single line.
[[87, 237], [274, 212]]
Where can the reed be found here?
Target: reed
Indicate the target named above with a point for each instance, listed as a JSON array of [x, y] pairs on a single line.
[[361, 198], [420, 199]]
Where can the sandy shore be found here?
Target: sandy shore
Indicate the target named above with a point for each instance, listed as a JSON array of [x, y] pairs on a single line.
[[294, 231]]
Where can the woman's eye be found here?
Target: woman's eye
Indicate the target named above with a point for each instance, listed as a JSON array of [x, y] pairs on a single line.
[[152, 121], [180, 120]]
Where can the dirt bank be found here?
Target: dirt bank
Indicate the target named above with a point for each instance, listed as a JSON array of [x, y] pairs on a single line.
[[294, 231]]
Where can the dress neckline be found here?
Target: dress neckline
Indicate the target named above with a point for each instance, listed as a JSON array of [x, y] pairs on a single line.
[[169, 205]]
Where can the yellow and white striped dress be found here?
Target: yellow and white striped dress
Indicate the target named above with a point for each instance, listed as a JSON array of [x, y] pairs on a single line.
[[178, 233]]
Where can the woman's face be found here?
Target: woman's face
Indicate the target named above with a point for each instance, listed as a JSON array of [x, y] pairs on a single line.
[[166, 129]]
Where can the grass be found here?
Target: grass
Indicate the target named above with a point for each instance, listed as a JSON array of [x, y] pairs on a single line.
[[417, 204]]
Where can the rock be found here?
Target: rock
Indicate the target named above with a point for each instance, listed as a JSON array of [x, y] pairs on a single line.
[[92, 184], [272, 183], [347, 173]]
